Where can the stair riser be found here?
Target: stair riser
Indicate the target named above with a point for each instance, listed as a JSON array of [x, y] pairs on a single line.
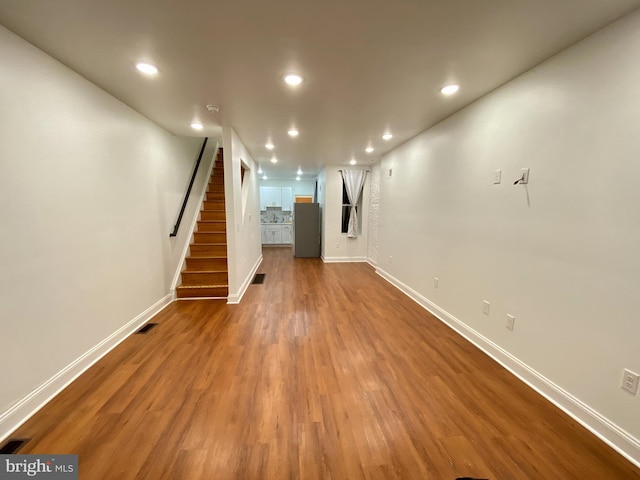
[[212, 227], [209, 215], [209, 237], [214, 204], [221, 292], [209, 278], [209, 250], [195, 263], [215, 197], [215, 214]]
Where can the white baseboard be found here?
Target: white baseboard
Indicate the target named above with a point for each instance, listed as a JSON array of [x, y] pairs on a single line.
[[27, 406], [344, 259], [235, 298], [620, 440]]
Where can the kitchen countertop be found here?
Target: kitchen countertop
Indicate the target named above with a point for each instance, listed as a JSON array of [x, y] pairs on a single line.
[[276, 223]]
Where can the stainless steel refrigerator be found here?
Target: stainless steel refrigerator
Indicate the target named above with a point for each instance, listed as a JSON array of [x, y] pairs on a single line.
[[306, 229]]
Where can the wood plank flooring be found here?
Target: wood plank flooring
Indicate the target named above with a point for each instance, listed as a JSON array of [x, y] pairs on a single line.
[[322, 372]]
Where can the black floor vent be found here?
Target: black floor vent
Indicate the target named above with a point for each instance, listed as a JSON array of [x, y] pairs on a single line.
[[147, 327], [13, 445], [259, 278]]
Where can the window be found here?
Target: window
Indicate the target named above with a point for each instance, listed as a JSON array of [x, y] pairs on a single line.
[[346, 206]]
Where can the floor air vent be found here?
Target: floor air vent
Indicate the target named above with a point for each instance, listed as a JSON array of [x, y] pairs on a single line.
[[13, 445], [259, 278], [147, 327]]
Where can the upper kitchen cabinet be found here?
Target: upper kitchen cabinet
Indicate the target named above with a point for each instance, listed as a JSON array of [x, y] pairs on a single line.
[[287, 199], [276, 197]]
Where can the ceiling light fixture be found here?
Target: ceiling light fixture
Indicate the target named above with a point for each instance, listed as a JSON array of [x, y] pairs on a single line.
[[196, 126], [299, 172], [259, 170], [147, 68], [449, 89], [293, 132], [352, 161], [387, 136], [274, 160], [269, 146], [293, 79], [213, 108], [369, 149], [298, 179], [264, 177]]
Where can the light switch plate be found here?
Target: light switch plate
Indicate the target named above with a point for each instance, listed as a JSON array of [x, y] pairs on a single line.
[[497, 176]]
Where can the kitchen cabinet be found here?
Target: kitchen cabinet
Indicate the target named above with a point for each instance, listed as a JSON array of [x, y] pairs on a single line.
[[270, 197], [276, 197], [275, 234], [287, 199], [287, 234]]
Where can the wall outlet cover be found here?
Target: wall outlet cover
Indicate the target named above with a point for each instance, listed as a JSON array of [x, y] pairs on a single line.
[[630, 381], [485, 307]]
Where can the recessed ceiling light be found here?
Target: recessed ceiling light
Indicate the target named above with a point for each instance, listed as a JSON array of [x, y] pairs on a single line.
[[269, 146], [299, 172], [298, 179], [352, 161], [369, 149], [260, 170], [293, 79], [196, 126], [293, 132], [147, 68], [449, 89], [387, 136], [274, 160], [264, 177]]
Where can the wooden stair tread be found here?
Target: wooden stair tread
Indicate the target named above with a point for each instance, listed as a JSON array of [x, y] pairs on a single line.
[[205, 271], [184, 287], [209, 244]]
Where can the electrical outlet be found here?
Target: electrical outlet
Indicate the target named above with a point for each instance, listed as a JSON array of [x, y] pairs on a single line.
[[497, 176], [485, 307], [435, 282], [511, 321], [630, 381]]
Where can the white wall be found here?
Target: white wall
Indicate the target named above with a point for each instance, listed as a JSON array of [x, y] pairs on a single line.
[[373, 222], [301, 187], [336, 247], [244, 244], [560, 254], [89, 193]]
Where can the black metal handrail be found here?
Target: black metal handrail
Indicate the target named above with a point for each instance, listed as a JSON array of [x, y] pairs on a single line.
[[186, 195]]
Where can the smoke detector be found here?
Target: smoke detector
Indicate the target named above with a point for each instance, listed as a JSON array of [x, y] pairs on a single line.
[[213, 108]]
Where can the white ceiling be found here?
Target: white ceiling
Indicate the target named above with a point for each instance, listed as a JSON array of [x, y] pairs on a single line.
[[369, 65]]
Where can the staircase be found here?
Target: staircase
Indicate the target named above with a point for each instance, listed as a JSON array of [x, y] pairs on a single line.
[[206, 274]]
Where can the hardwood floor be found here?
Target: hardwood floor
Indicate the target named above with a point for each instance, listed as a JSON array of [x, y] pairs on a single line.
[[311, 377]]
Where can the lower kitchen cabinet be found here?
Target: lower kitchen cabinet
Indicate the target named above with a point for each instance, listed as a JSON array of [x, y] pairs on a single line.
[[277, 234]]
